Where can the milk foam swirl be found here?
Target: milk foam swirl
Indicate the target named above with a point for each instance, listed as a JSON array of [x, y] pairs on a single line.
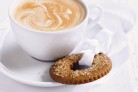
[[49, 15]]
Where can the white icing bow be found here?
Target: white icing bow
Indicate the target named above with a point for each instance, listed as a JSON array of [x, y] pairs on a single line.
[[90, 47]]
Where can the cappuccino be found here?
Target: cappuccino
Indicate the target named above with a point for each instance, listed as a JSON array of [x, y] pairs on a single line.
[[49, 15]]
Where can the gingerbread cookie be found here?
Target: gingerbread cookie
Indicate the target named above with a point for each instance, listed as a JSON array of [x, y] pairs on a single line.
[[62, 71]]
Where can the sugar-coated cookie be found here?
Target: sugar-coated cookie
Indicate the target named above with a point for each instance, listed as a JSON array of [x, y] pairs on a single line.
[[62, 70]]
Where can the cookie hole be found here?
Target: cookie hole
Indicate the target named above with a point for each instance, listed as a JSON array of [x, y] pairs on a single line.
[[76, 66]]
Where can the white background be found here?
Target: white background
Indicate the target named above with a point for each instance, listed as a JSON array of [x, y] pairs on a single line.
[[121, 82]]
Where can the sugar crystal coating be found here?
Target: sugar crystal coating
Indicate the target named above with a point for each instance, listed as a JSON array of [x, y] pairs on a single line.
[[62, 69]]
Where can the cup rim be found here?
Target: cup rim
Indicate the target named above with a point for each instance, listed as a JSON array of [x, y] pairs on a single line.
[[53, 32]]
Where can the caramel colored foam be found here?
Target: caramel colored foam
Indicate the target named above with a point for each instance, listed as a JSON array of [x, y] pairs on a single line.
[[49, 15]]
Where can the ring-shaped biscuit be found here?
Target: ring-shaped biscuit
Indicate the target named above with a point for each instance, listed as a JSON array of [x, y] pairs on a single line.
[[62, 70]]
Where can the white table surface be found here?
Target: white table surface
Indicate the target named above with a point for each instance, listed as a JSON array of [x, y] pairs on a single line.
[[125, 80]]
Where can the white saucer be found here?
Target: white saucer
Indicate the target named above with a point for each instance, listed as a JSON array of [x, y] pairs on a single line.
[[18, 65]]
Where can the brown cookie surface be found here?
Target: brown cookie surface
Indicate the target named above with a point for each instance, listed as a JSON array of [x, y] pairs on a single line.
[[62, 70]]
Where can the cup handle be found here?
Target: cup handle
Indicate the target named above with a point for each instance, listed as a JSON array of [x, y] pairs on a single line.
[[95, 14]]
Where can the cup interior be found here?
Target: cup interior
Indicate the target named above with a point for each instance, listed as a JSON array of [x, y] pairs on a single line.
[[17, 2]]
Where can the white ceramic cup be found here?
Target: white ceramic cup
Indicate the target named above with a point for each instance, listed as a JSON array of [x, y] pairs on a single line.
[[48, 46]]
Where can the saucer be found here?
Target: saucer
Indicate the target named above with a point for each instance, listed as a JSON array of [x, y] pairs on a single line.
[[18, 65]]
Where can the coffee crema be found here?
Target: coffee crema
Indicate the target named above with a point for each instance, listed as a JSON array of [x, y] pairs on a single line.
[[49, 15]]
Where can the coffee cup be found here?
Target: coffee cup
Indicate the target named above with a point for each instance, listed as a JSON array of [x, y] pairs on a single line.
[[49, 45]]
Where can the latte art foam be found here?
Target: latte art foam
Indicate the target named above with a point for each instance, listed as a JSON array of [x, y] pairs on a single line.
[[49, 15]]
